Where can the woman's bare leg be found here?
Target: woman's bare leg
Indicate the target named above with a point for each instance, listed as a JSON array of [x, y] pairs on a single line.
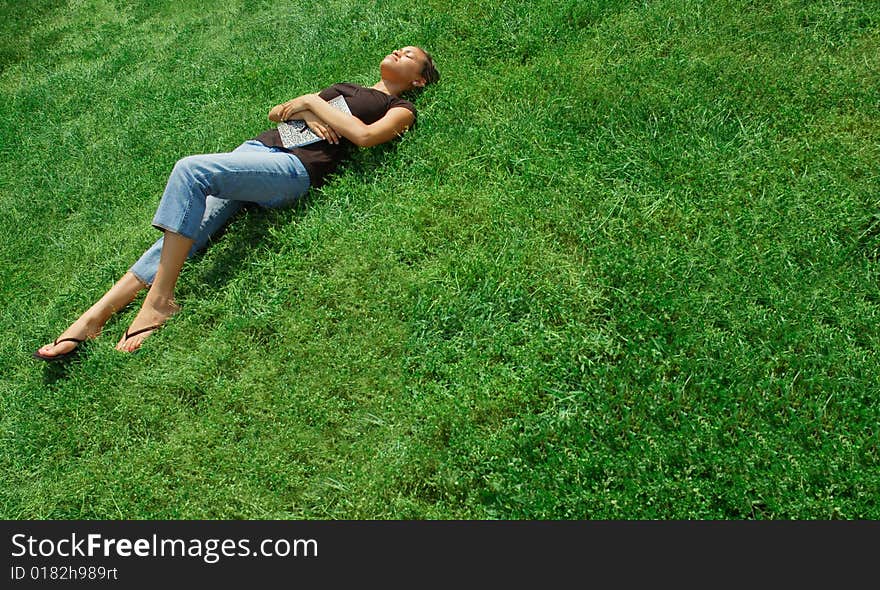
[[90, 323], [159, 303]]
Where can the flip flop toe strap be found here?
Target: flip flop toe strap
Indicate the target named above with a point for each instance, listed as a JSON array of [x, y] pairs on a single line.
[[77, 340], [141, 331]]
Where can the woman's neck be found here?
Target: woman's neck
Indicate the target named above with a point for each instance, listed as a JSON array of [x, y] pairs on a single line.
[[389, 87]]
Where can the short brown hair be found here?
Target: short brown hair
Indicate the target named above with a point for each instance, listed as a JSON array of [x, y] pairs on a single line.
[[429, 72]]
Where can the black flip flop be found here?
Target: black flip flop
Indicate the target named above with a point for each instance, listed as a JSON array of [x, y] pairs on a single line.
[[141, 331], [65, 355]]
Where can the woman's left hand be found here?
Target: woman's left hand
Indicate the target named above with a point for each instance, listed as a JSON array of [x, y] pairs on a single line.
[[321, 129]]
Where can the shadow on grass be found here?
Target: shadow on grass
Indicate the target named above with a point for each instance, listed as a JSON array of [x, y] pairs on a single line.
[[54, 371], [253, 224], [17, 19]]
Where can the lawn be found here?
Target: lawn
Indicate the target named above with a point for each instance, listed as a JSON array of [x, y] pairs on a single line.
[[627, 266]]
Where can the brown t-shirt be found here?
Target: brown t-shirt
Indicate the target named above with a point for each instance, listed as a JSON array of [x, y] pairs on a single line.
[[321, 158]]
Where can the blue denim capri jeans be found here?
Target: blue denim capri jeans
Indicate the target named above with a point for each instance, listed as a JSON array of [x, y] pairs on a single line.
[[204, 191]]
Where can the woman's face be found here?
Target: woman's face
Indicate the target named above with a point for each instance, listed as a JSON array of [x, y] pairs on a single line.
[[404, 65]]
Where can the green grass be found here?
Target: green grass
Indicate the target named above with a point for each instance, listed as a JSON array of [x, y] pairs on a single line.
[[626, 267]]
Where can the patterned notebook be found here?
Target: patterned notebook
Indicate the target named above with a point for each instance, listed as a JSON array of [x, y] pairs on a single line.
[[295, 132]]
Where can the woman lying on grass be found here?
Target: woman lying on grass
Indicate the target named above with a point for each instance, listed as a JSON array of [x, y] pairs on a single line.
[[204, 191]]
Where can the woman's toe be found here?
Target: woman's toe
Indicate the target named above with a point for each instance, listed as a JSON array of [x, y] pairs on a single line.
[[51, 349]]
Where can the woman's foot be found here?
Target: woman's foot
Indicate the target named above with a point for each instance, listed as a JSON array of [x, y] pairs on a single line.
[[82, 329], [152, 316]]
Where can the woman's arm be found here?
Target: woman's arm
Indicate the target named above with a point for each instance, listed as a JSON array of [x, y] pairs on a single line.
[[286, 110], [318, 126], [394, 123], [282, 112]]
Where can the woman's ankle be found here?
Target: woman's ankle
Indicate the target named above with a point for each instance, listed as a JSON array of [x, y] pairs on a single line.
[[161, 303], [97, 315], [85, 326]]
